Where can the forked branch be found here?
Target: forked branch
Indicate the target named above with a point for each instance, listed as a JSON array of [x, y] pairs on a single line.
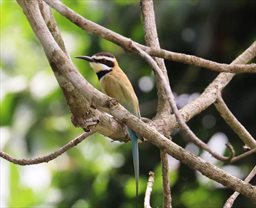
[[107, 34]]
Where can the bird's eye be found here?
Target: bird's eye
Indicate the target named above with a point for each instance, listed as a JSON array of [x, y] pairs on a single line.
[[109, 63], [105, 62]]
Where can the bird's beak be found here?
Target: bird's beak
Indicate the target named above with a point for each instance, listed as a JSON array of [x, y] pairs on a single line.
[[87, 58]]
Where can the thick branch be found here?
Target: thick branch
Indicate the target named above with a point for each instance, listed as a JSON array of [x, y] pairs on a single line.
[[179, 153], [83, 115], [51, 24]]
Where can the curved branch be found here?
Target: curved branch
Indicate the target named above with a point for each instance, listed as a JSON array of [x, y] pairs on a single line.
[[50, 156], [125, 43], [151, 38], [243, 155], [180, 120]]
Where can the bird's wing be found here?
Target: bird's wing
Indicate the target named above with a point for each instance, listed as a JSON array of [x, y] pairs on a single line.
[[118, 86]]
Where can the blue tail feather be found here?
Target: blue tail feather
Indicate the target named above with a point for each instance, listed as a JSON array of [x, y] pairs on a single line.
[[135, 154]]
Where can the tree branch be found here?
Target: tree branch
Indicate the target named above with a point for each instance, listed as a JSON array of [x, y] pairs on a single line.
[[149, 190], [151, 38], [243, 155], [169, 94], [50, 156], [83, 115], [166, 180], [229, 203], [211, 92], [163, 107], [234, 124], [125, 43], [200, 62], [182, 155]]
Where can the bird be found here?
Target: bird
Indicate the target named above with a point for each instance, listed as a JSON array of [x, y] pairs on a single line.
[[116, 84]]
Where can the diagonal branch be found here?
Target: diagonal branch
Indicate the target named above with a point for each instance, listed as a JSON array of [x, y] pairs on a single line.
[[179, 118], [125, 43], [235, 125], [50, 156], [207, 169], [83, 115], [229, 203], [211, 92]]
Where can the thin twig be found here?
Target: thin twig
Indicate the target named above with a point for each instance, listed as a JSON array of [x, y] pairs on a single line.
[[229, 203], [232, 121], [149, 190], [175, 110], [161, 53], [50, 156], [243, 155]]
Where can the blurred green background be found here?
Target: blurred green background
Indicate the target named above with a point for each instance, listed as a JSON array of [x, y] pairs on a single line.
[[35, 119]]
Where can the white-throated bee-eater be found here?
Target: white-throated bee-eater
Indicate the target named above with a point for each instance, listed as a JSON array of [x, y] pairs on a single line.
[[116, 84]]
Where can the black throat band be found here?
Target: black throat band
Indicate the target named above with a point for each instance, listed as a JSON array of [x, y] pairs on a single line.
[[101, 74]]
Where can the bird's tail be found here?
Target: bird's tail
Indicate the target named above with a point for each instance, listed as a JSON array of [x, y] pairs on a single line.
[[135, 154]]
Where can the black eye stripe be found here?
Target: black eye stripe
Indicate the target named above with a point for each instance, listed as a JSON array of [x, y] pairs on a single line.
[[105, 62]]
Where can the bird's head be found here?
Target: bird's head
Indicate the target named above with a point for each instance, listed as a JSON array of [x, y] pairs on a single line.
[[102, 61]]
